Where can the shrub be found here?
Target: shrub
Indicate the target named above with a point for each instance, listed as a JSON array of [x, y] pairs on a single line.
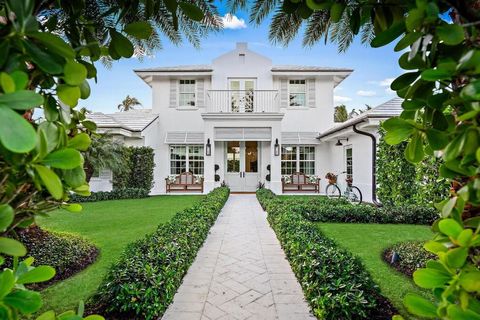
[[334, 282], [410, 256], [142, 283], [128, 193], [138, 171], [65, 252]]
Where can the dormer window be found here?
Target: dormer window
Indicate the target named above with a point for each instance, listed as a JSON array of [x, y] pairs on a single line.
[[297, 93], [186, 93]]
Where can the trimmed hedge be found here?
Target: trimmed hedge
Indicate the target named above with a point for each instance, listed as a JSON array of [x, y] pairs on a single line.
[[335, 282], [65, 252], [138, 170], [410, 256], [128, 193], [142, 283]]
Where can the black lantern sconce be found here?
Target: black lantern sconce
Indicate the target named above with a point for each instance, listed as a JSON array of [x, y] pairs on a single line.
[[208, 148], [339, 142], [276, 148]]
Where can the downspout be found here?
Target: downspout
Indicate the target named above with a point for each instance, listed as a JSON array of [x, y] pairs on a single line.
[[374, 163]]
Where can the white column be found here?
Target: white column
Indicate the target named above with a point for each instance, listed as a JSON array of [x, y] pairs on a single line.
[[209, 162], [275, 164]]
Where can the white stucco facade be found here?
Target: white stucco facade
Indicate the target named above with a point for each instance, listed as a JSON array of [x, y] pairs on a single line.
[[240, 106]]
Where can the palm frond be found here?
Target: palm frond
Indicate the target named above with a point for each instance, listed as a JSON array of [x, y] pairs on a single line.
[[284, 27], [261, 9], [317, 27]]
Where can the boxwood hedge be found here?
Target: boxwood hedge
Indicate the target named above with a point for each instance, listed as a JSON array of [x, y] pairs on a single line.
[[335, 283], [142, 283], [127, 193]]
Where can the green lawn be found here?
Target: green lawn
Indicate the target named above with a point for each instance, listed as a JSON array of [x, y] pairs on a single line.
[[368, 242], [111, 225]]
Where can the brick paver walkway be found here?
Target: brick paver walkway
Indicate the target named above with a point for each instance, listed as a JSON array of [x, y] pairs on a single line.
[[241, 272]]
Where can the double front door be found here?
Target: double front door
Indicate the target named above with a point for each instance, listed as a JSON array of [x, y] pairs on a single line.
[[242, 95], [242, 165]]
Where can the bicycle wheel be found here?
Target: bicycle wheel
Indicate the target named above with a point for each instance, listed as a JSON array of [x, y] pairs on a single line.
[[354, 195], [333, 191]]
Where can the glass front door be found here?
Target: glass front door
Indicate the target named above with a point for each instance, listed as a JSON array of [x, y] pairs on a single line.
[[242, 95], [242, 165]]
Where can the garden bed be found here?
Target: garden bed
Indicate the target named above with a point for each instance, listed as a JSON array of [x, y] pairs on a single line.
[[409, 256]]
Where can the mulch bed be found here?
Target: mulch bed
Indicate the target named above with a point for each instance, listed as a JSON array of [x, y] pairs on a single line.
[[387, 257]]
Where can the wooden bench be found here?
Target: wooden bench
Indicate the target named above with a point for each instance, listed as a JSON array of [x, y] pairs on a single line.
[[299, 183], [184, 182]]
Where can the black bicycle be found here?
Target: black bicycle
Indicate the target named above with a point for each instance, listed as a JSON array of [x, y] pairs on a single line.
[[351, 193]]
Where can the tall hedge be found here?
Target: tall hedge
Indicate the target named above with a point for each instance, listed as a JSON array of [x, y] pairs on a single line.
[[138, 171], [400, 182]]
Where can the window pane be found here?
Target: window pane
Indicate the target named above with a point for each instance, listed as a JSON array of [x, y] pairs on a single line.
[[297, 99], [289, 153], [289, 160], [233, 156], [178, 159], [187, 99], [349, 162], [251, 156], [186, 93], [195, 159], [307, 167]]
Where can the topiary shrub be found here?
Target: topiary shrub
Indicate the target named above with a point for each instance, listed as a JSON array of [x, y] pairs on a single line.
[[408, 256], [142, 283], [138, 170]]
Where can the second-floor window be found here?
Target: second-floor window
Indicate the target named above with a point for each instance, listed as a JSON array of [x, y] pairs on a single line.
[[186, 93], [297, 93]]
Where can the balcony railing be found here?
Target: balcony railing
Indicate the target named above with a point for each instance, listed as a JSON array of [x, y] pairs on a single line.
[[242, 101]]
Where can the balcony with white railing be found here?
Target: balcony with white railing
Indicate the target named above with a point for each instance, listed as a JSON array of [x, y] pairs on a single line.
[[243, 101]]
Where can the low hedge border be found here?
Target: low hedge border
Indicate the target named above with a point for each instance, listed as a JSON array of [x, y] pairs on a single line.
[[127, 193], [142, 283], [335, 282], [409, 256], [323, 209], [67, 253]]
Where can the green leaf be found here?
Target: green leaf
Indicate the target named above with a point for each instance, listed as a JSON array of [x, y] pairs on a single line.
[[49, 315], [54, 43], [437, 139], [45, 61], [16, 134], [68, 94], [407, 40], [63, 159], [6, 82], [51, 181], [450, 227], [90, 125], [6, 216], [74, 177], [434, 247], [94, 317], [454, 312], [336, 11], [404, 80], [455, 147], [430, 278], [20, 78], [414, 19], [451, 34], [456, 257], [12, 247], [191, 11], [73, 207], [74, 73], [398, 130], [420, 306], [21, 100], [38, 274], [470, 280], [140, 29], [80, 142], [7, 281], [121, 44], [25, 301], [471, 91], [436, 75], [387, 36], [317, 5], [84, 90], [414, 150], [83, 190]]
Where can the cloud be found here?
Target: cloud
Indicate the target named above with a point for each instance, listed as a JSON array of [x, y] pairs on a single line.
[[366, 93], [386, 82], [231, 21], [340, 99]]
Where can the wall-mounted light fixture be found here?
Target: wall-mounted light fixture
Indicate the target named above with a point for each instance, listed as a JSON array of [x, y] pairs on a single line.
[[208, 148], [276, 148], [339, 142]]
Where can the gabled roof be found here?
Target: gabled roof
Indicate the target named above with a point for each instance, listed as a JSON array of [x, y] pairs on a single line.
[[179, 68], [300, 68], [391, 108], [209, 68], [134, 120]]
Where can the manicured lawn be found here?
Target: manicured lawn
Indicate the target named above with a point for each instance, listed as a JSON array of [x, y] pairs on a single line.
[[368, 242], [111, 225]]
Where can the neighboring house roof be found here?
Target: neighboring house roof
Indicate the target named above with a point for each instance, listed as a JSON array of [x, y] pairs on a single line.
[[134, 120], [179, 68], [391, 108], [299, 68]]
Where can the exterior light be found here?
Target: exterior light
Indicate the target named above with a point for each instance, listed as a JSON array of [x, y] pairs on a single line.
[[339, 142], [208, 148], [276, 148]]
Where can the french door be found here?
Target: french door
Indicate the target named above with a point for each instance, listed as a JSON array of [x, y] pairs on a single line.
[[242, 95], [242, 165]]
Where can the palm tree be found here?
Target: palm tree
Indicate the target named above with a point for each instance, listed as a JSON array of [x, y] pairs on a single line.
[[129, 103], [104, 153], [341, 114]]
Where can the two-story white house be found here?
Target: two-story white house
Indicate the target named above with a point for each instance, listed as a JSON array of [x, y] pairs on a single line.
[[246, 121]]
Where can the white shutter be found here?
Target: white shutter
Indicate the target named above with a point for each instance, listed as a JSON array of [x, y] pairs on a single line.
[[283, 93], [243, 134], [311, 93], [173, 93], [200, 103], [184, 137], [300, 138]]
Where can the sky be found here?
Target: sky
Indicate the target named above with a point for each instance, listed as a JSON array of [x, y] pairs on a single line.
[[374, 69]]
